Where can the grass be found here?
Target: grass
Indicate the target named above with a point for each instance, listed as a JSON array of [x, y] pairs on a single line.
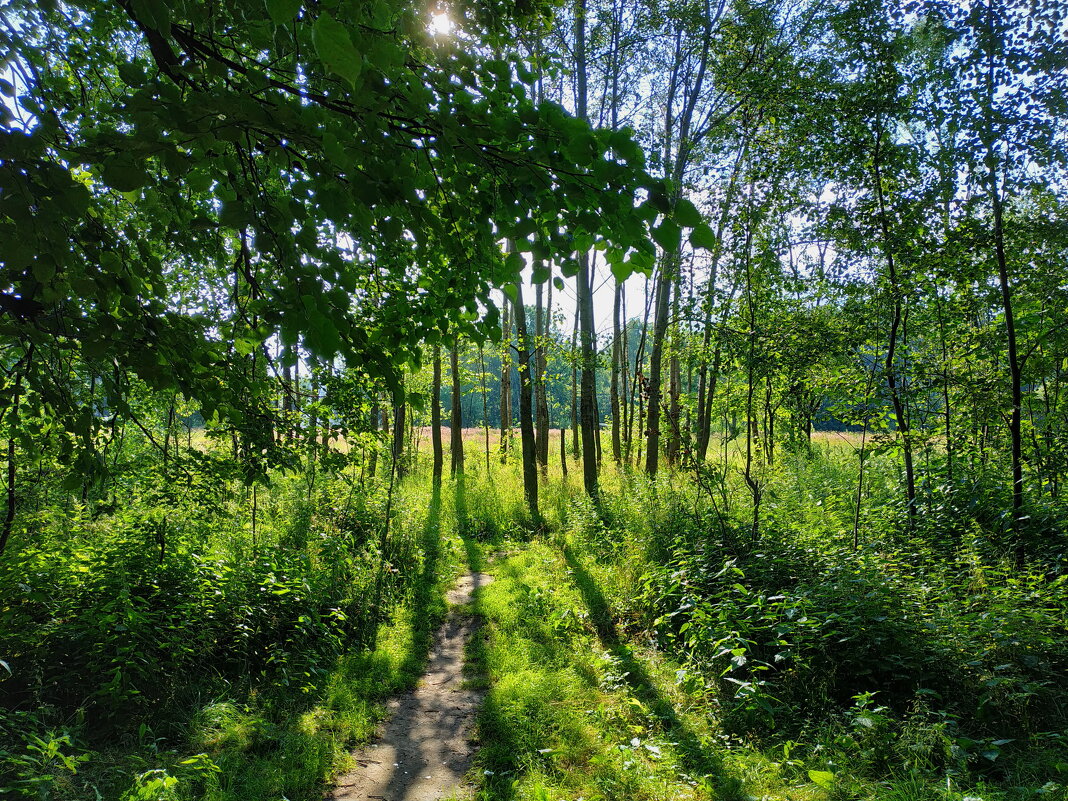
[[591, 693], [294, 756], [280, 734], [255, 747], [583, 704], [577, 710]]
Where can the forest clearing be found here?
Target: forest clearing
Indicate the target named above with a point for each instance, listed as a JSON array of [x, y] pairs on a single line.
[[599, 400]]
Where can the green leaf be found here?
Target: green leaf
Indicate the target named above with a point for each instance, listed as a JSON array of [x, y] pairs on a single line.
[[235, 215], [335, 49], [385, 54], [558, 282], [824, 778], [511, 291], [198, 181], [686, 214], [647, 211], [244, 346], [667, 234], [131, 74], [702, 237], [44, 270], [382, 14], [155, 14], [643, 260], [583, 240], [282, 11], [622, 142], [123, 176], [500, 69], [73, 200], [621, 270], [514, 261]]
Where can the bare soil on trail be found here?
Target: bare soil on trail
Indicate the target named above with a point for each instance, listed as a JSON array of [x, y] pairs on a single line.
[[425, 746]]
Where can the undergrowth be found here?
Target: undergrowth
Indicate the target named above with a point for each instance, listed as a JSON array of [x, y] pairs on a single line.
[[929, 662], [646, 646], [238, 664]]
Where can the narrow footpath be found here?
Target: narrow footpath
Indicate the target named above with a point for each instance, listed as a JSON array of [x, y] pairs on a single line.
[[425, 746]]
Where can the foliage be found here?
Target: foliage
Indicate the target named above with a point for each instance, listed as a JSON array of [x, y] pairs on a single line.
[[268, 622]]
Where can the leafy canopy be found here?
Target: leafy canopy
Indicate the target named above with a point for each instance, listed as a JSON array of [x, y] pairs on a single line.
[[187, 181]]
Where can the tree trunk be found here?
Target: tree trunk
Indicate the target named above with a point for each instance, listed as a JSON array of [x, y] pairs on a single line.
[[506, 381], [435, 419], [664, 286], [312, 441], [674, 436], [294, 429], [639, 385], [1015, 372], [588, 399], [945, 388], [677, 153], [710, 376], [9, 513], [563, 452], [754, 484], [541, 404], [485, 404], [526, 404], [705, 412], [895, 325], [287, 394], [456, 422], [574, 388], [617, 350], [376, 413], [624, 380], [399, 430]]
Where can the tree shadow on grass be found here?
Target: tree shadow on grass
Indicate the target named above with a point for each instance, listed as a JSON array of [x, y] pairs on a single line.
[[420, 747], [535, 725], [459, 505], [696, 756]]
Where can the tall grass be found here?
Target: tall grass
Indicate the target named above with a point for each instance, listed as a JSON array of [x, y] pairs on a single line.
[[644, 646], [931, 651]]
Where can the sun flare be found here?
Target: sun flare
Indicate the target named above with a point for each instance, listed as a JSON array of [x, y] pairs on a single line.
[[440, 24]]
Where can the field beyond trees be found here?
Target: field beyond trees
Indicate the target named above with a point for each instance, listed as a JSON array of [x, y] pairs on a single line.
[[728, 337]]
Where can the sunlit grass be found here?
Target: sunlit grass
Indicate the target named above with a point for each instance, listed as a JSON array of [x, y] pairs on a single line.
[[581, 703]]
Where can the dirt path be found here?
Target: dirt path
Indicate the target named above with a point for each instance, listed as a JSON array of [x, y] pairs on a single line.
[[424, 748]]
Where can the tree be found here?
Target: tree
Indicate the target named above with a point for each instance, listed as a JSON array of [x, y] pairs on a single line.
[[1010, 63], [208, 153], [435, 419], [525, 353], [584, 289], [456, 421]]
